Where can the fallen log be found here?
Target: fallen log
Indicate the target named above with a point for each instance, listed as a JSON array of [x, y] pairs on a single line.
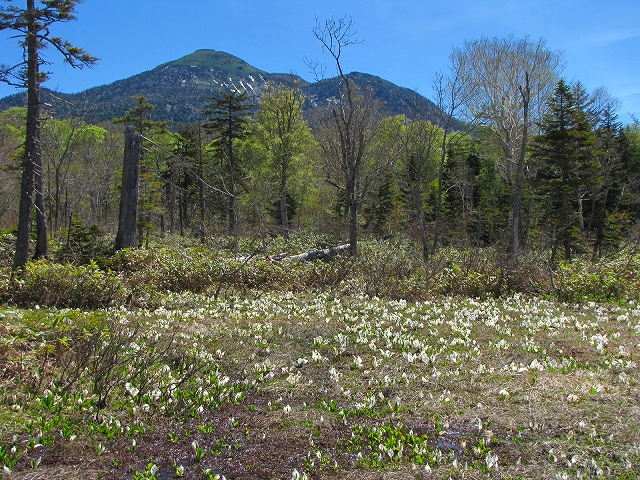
[[325, 254]]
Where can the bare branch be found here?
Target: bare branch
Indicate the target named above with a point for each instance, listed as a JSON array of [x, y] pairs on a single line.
[[334, 35]]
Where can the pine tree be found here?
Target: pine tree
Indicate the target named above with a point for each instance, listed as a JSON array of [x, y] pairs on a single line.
[[33, 27], [138, 117], [566, 151], [381, 206]]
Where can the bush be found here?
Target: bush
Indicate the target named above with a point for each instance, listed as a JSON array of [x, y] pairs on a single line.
[[478, 273], [7, 249], [65, 286], [385, 268], [603, 281], [81, 245], [164, 270]]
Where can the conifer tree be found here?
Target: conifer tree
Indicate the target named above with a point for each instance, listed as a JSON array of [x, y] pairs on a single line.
[[185, 175], [609, 155], [228, 112], [566, 152], [381, 206], [32, 26], [138, 117]]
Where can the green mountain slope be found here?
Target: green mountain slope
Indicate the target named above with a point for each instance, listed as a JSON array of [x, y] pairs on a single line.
[[179, 89]]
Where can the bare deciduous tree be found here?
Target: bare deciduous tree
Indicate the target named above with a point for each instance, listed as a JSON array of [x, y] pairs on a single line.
[[452, 91], [420, 143], [348, 123], [510, 81]]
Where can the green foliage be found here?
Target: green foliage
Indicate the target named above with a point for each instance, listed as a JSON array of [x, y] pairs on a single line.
[[150, 472], [337, 381], [7, 246], [74, 365], [388, 445], [227, 119], [387, 268], [146, 271], [377, 213], [82, 245], [608, 280], [65, 286], [13, 122], [472, 273], [283, 150], [138, 117]]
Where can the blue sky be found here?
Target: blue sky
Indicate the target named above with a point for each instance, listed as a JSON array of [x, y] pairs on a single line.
[[403, 41]]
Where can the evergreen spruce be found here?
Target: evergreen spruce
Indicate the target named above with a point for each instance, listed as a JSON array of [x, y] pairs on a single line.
[[566, 151], [229, 122]]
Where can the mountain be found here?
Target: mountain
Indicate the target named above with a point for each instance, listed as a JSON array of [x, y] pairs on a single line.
[[178, 89], [395, 100]]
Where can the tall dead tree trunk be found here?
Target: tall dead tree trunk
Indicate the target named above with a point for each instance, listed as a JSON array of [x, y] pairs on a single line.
[[127, 226], [443, 159], [353, 119]]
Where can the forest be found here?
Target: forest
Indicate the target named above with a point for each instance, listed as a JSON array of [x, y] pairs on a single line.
[[248, 162], [325, 292]]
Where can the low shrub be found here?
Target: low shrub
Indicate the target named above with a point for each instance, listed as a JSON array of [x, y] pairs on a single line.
[[167, 270], [391, 269], [65, 286], [7, 249], [607, 280], [80, 245]]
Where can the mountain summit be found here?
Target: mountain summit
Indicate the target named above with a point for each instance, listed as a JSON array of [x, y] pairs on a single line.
[[219, 61], [179, 88]]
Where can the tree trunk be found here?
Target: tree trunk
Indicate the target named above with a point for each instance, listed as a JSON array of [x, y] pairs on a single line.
[[32, 144], [325, 254], [41, 218], [580, 213], [233, 203], [172, 204], [601, 219], [517, 195], [201, 229], [127, 226], [284, 216], [352, 207], [443, 157], [565, 227], [417, 200]]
